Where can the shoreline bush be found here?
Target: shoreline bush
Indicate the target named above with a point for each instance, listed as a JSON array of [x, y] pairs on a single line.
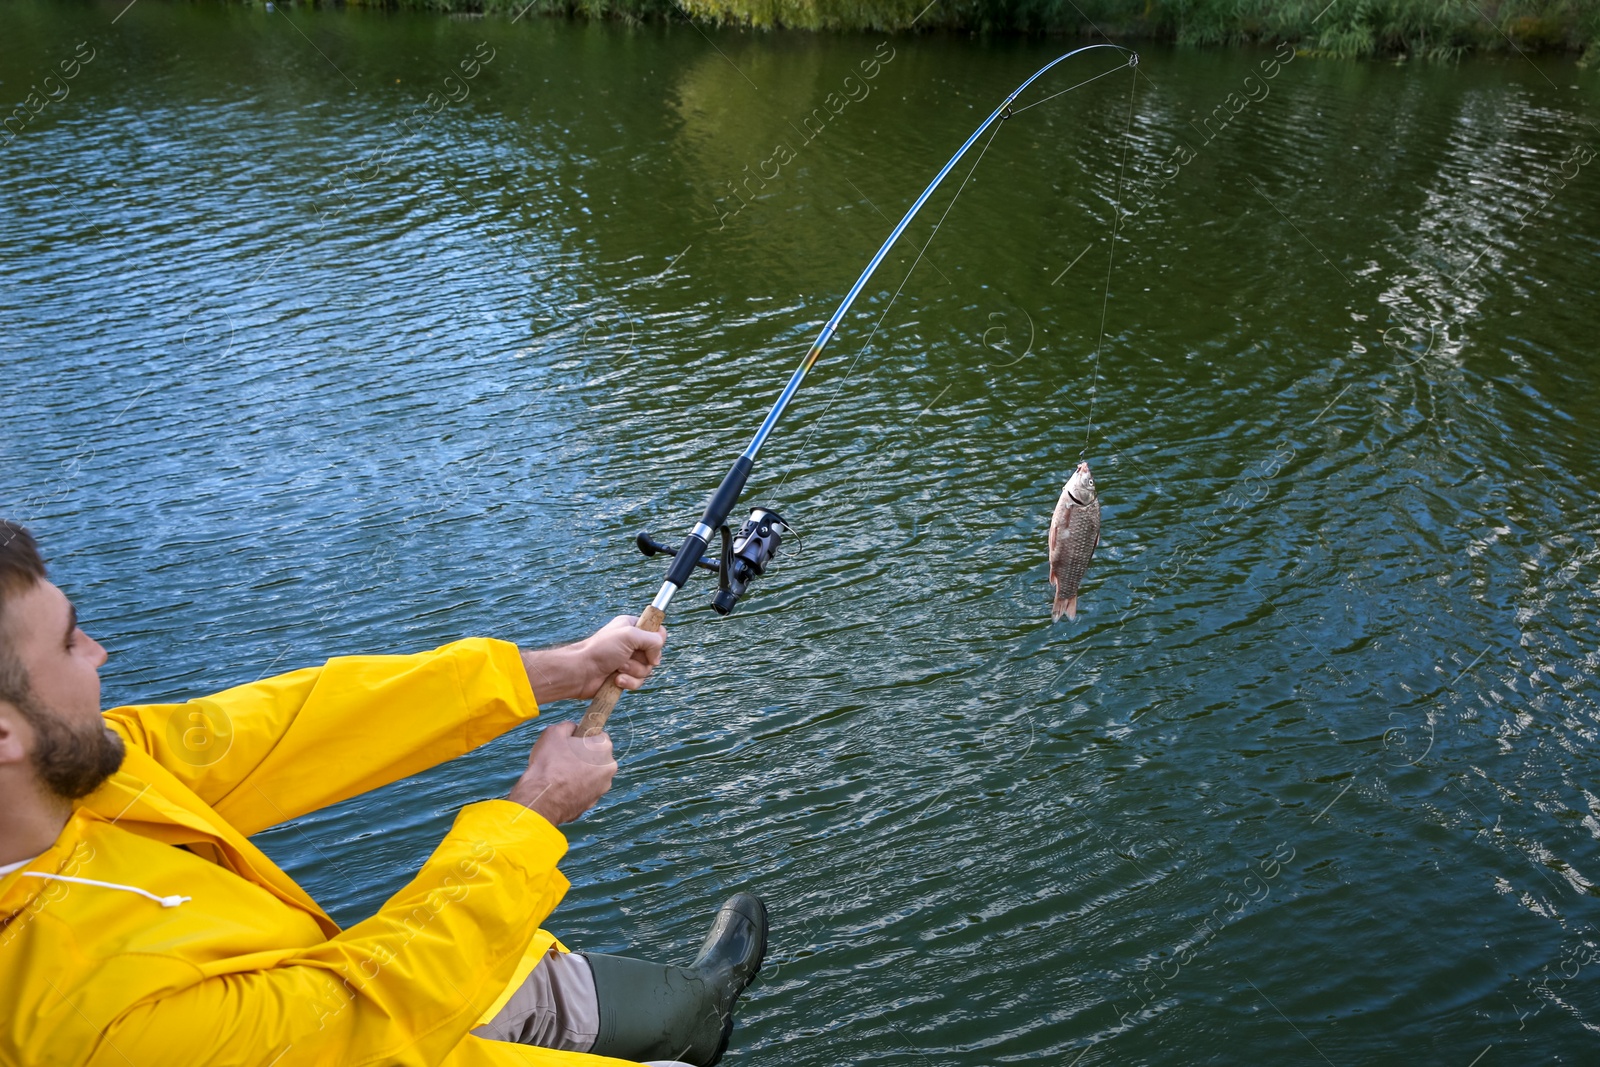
[[1425, 29]]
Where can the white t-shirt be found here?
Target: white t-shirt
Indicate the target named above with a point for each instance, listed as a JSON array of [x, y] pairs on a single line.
[[7, 868]]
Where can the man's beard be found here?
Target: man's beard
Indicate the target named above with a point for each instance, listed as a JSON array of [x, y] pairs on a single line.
[[72, 762]]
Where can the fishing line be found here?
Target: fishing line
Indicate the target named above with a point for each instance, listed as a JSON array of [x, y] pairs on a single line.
[[868, 343], [1116, 228], [1008, 113], [1104, 74], [746, 555]]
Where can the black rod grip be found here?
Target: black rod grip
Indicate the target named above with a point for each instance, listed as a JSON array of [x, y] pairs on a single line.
[[717, 509], [716, 513], [727, 494], [683, 563]]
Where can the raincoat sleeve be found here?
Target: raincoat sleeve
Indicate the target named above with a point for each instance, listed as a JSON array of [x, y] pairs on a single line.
[[403, 987], [264, 753]]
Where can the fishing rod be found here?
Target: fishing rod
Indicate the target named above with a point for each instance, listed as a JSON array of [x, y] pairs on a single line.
[[745, 556]]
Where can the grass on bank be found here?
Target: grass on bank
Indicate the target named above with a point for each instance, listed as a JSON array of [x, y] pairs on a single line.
[[1433, 29]]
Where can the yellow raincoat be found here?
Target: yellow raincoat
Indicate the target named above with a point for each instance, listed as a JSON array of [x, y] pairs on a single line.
[[248, 969]]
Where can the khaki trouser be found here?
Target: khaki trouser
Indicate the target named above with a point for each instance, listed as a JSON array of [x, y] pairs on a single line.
[[555, 1007]]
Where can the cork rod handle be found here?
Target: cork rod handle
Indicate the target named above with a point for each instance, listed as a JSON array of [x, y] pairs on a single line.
[[594, 719]]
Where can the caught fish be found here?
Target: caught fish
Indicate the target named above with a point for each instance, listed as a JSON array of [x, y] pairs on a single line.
[[1074, 535]]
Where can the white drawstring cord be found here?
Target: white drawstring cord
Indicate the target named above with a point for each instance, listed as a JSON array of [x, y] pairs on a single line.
[[165, 902]]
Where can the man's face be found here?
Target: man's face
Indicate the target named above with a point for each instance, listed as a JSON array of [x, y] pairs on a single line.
[[71, 749]]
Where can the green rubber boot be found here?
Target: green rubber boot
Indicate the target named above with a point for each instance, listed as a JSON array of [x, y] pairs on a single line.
[[651, 1011]]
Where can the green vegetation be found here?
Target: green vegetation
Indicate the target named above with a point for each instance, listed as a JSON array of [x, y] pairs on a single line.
[[1435, 29]]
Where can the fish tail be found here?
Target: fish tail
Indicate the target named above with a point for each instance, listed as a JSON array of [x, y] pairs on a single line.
[[1064, 605]]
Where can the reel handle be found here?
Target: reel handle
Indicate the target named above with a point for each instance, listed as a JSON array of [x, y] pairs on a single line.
[[600, 708]]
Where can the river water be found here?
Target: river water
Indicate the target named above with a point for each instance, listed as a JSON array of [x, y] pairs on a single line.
[[1310, 780]]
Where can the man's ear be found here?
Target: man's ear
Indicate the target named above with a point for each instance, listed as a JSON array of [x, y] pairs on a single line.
[[16, 735]]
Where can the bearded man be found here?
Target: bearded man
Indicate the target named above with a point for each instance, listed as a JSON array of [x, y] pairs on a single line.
[[139, 925]]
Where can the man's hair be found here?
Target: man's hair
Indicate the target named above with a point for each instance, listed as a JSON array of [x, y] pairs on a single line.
[[21, 568]]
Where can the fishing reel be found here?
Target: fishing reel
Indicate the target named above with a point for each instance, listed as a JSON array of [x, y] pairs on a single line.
[[745, 555]]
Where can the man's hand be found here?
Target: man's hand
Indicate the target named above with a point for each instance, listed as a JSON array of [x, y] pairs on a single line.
[[619, 650], [566, 775]]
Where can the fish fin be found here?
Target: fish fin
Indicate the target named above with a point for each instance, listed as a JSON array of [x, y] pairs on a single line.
[[1055, 611], [1072, 609]]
